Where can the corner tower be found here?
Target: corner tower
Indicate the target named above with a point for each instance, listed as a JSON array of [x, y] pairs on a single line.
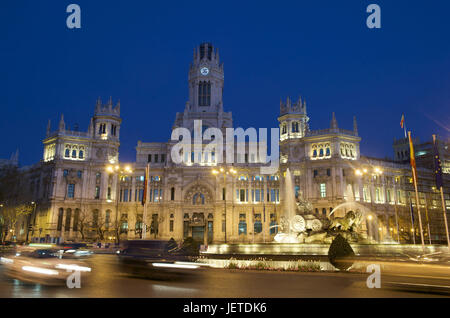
[[293, 119]]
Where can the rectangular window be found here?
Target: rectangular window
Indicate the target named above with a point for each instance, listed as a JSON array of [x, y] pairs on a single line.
[[76, 218], [273, 195], [315, 173], [155, 195], [109, 193], [71, 191], [242, 195], [163, 158], [172, 194], [97, 192], [107, 218], [141, 194], [125, 195], [323, 190], [223, 194], [149, 159], [171, 226], [156, 158]]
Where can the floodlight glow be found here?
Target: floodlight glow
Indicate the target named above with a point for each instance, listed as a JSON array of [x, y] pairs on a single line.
[[169, 265]]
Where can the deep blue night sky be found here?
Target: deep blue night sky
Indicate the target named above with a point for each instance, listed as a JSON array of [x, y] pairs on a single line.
[[139, 51]]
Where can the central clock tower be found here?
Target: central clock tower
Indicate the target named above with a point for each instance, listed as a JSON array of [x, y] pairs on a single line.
[[206, 80], [205, 92]]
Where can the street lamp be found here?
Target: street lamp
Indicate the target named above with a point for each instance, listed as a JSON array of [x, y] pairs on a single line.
[[118, 171], [224, 172], [33, 214]]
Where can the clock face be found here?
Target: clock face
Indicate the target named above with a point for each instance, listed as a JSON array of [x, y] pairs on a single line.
[[204, 71]]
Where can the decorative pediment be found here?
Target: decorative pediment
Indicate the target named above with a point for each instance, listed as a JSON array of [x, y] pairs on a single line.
[[202, 194]]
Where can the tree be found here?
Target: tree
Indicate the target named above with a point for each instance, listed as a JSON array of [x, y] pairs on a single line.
[[99, 225], [10, 215], [81, 223]]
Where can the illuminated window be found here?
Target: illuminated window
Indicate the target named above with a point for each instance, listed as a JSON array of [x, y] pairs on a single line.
[[70, 190], [242, 227], [323, 190]]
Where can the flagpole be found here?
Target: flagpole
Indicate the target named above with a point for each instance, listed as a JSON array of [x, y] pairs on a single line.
[[396, 222], [417, 193], [145, 197], [428, 220], [412, 219]]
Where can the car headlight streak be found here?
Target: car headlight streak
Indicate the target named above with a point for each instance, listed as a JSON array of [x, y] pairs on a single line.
[[40, 270], [73, 267]]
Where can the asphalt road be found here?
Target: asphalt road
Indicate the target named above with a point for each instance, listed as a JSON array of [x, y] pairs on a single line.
[[106, 281]]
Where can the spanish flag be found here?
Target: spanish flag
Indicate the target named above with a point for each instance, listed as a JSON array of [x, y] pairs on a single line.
[[144, 196], [412, 158], [402, 121]]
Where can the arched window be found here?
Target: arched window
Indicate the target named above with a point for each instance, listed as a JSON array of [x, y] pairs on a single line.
[[257, 227], [76, 219], [198, 199], [283, 129], [314, 153], [67, 153], [68, 219], [60, 219], [242, 227], [81, 154], [74, 153], [321, 152], [204, 94], [328, 153]]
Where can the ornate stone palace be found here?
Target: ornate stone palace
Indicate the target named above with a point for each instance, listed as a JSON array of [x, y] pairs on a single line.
[[82, 191]]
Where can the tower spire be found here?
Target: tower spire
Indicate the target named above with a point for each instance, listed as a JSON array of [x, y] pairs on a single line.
[[48, 128], [355, 125], [334, 124], [62, 124]]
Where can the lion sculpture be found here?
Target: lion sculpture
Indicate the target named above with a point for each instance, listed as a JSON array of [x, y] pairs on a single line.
[[349, 222]]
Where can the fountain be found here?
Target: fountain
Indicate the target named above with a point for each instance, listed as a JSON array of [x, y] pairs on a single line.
[[308, 236]]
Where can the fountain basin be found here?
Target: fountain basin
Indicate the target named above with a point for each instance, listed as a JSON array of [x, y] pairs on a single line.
[[296, 249]]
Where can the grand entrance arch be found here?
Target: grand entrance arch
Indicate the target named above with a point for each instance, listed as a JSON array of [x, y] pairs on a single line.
[[198, 216], [199, 225]]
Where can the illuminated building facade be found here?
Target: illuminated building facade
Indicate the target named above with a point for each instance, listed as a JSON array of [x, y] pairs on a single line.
[[84, 193]]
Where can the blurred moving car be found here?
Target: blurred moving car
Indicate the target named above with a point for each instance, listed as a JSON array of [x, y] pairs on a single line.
[[157, 259], [46, 266], [76, 250]]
